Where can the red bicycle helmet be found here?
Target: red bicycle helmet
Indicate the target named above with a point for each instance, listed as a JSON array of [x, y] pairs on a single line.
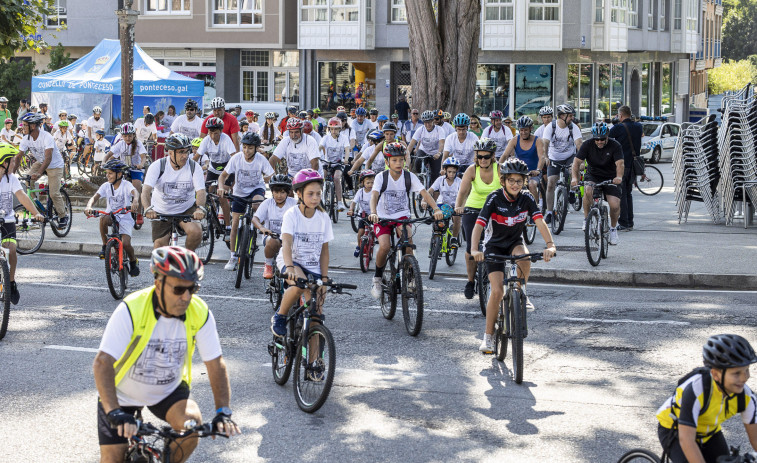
[[294, 123], [214, 123], [335, 122], [174, 261], [307, 127]]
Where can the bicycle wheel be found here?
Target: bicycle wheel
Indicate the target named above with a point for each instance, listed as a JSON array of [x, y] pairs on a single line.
[[60, 232], [366, 253], [5, 294], [314, 368], [482, 279], [281, 360], [593, 237], [114, 274], [436, 251], [451, 255], [500, 337], [638, 456], [275, 290], [252, 248], [354, 220], [578, 202], [205, 249], [412, 295], [605, 221], [243, 238], [529, 233], [136, 225], [561, 210], [29, 233], [328, 193], [651, 182], [516, 334]]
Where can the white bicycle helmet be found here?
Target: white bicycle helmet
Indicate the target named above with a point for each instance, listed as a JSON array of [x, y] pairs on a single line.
[[97, 110], [217, 103]]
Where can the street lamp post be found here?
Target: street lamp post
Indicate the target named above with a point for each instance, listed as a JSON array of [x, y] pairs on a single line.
[[126, 20]]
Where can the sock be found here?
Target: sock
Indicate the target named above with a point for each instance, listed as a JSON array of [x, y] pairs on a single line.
[[269, 261], [379, 272]]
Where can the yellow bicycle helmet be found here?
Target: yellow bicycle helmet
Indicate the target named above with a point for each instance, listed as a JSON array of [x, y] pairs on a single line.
[[196, 142], [7, 152]]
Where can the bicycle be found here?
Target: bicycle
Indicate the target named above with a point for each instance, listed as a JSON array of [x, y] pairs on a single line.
[[425, 178], [247, 240], [274, 287], [175, 220], [5, 285], [49, 212], [308, 346], [146, 446], [212, 227], [651, 182], [116, 268], [403, 276], [329, 194], [367, 243], [597, 233], [511, 318], [644, 455], [440, 245], [529, 233], [560, 211]]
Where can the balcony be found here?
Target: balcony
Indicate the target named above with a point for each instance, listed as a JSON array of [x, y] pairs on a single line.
[[512, 26], [336, 25]]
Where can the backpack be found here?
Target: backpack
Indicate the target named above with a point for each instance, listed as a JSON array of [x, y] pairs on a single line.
[[707, 389], [164, 161], [408, 181], [554, 128]]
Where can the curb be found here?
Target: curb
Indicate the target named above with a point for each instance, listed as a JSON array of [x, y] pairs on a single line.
[[669, 280]]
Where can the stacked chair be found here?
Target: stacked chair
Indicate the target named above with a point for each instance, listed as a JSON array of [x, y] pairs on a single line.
[[695, 168]]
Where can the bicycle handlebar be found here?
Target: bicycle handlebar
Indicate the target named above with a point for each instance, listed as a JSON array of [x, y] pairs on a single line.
[[242, 199], [181, 217], [383, 220], [166, 432], [122, 211], [312, 283], [601, 184], [533, 257]]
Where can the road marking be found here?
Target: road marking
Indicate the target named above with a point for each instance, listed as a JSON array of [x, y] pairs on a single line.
[[464, 312], [379, 369], [76, 349], [639, 322], [239, 298], [455, 279]]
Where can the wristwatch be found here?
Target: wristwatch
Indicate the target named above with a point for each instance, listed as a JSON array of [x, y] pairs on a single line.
[[225, 410]]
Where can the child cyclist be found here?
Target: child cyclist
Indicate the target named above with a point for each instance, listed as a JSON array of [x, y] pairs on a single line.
[[10, 187], [690, 420], [390, 200], [201, 159], [269, 215], [362, 200], [219, 148], [305, 235], [335, 147], [250, 171], [131, 152], [506, 211], [445, 190], [378, 165], [118, 194], [101, 146]]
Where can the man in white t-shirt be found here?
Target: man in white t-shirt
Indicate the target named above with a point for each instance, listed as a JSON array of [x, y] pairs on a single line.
[[94, 123], [497, 132], [545, 115], [175, 185], [445, 126], [146, 129], [362, 127], [300, 151], [460, 144], [188, 123], [561, 140], [145, 357], [429, 140]]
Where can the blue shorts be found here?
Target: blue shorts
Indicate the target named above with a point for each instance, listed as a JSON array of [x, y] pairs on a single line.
[[137, 175], [239, 207]]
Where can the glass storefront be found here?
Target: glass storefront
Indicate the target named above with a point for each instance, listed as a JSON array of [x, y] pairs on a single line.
[[580, 85], [492, 88], [645, 108], [346, 84], [610, 89], [666, 103], [533, 89]]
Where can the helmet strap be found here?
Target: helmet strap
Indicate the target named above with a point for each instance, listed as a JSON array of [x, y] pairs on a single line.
[[175, 164]]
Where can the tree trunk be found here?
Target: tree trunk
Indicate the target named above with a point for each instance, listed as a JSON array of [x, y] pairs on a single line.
[[443, 56]]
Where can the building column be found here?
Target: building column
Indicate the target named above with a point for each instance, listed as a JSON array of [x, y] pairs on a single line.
[[383, 86]]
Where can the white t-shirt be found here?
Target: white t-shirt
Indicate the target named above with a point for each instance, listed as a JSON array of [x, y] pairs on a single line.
[[378, 162], [220, 153], [447, 128], [122, 151], [168, 120], [174, 192], [116, 198], [37, 148], [447, 192], [61, 139], [308, 236], [429, 141], [361, 130], [157, 372], [316, 136], [101, 146], [297, 155], [8, 188], [539, 131], [248, 175], [189, 128], [254, 127], [562, 145], [500, 138], [144, 131], [335, 147], [95, 125], [394, 204], [363, 201], [463, 152], [271, 215], [8, 134]]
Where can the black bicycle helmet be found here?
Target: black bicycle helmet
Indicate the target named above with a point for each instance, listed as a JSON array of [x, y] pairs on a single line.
[[116, 165], [251, 138], [174, 261], [178, 141], [513, 166], [190, 104], [485, 144], [342, 116], [728, 351], [281, 181], [389, 126]]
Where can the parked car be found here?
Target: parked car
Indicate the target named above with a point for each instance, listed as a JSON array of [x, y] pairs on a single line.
[[659, 139]]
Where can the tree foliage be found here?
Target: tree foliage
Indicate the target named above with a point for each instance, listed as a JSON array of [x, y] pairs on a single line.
[[59, 58], [12, 73], [21, 22], [731, 75], [739, 29]]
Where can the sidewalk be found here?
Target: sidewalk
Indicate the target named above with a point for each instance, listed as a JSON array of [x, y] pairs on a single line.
[[658, 252]]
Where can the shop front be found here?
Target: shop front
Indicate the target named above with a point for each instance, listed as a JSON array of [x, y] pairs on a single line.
[[348, 84], [515, 89]]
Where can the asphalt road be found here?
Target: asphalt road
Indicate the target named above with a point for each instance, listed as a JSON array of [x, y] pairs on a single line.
[[599, 361]]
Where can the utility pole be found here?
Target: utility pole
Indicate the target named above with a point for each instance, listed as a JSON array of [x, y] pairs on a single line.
[[126, 20]]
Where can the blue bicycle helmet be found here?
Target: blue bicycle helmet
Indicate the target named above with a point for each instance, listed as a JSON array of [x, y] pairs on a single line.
[[376, 136], [361, 111], [461, 119], [382, 118], [599, 130], [451, 162]]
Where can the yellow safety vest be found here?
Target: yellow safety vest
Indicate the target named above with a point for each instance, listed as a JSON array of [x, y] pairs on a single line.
[[144, 320]]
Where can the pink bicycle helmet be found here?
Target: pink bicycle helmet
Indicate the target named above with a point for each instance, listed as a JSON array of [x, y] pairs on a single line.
[[294, 123], [304, 177], [496, 114]]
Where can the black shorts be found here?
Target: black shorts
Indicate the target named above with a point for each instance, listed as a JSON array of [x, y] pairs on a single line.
[[8, 230], [502, 250], [469, 222], [554, 167], [610, 190], [214, 174], [109, 436]]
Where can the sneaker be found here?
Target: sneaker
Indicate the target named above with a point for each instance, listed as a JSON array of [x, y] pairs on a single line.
[[341, 207], [376, 288], [453, 243], [548, 218], [140, 219], [279, 324], [315, 371], [357, 252], [529, 305], [62, 223], [227, 234], [134, 268], [470, 288], [625, 229], [583, 227], [614, 236], [15, 295], [102, 254], [487, 345], [268, 271], [231, 265]]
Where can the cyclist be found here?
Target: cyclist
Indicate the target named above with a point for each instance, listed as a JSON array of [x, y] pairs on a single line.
[[395, 119], [446, 126], [390, 199], [188, 123], [508, 123], [529, 150], [389, 132], [316, 125], [251, 117], [545, 115], [175, 186], [145, 357], [361, 127], [94, 123], [497, 132], [478, 181], [431, 140], [373, 114], [561, 140], [299, 152], [201, 159], [305, 235], [380, 121], [118, 194], [460, 144], [271, 212], [219, 147], [361, 204], [101, 146], [321, 121], [335, 147], [63, 138], [243, 126], [47, 160], [10, 187], [250, 172], [269, 133], [506, 211], [604, 161], [411, 125], [475, 125], [375, 138], [7, 134], [291, 114], [690, 420], [307, 129], [146, 128], [131, 152], [347, 129], [445, 190], [230, 123], [447, 117], [62, 116]]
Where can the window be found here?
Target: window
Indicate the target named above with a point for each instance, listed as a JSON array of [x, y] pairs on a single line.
[[533, 89], [344, 83], [677, 13], [633, 13], [167, 7], [399, 14], [254, 58], [368, 11], [599, 11], [666, 104], [618, 11], [650, 14], [344, 10], [492, 88], [286, 59], [499, 10], [315, 10], [646, 106], [610, 89], [691, 15], [59, 6], [580, 77], [237, 13], [543, 10], [663, 11]]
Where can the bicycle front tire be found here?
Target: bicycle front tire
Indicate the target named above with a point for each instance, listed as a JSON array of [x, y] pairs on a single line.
[[436, 250], [412, 311], [483, 286], [281, 362], [561, 210], [451, 255], [593, 237], [651, 182], [500, 337], [241, 253], [205, 249], [29, 233], [639, 456], [516, 334], [252, 248], [312, 390], [389, 293], [60, 233], [6, 296], [116, 281]]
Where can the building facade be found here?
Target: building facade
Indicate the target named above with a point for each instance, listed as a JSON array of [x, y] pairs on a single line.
[[708, 55]]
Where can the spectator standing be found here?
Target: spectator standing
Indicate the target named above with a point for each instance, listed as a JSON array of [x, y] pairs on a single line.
[[23, 108], [4, 112], [628, 133], [402, 108], [409, 127]]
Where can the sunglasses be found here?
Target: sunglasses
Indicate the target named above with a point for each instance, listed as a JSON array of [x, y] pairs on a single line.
[[180, 290], [487, 156], [601, 139], [415, 114]]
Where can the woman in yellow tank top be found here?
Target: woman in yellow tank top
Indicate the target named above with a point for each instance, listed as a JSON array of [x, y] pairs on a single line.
[[479, 180]]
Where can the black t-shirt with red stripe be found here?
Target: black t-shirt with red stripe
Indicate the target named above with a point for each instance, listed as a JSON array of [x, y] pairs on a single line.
[[508, 216]]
